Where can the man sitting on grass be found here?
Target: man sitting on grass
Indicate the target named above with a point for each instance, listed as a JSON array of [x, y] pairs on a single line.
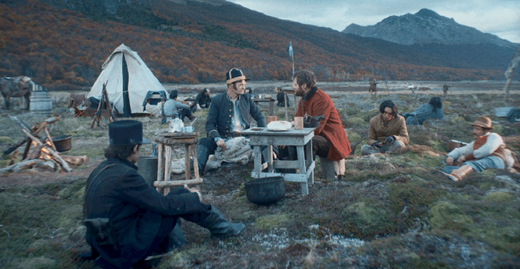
[[127, 220], [387, 131], [487, 151]]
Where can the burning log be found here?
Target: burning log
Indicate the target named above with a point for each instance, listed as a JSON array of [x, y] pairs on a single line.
[[75, 160], [37, 128], [53, 153], [44, 154], [27, 164]]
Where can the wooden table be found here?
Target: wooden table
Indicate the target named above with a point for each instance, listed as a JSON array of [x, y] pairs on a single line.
[[270, 112], [301, 139], [165, 143]]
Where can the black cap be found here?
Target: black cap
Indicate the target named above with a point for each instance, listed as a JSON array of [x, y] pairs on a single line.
[[126, 133], [235, 75]]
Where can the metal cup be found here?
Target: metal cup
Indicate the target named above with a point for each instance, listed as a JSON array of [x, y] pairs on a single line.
[[298, 123]]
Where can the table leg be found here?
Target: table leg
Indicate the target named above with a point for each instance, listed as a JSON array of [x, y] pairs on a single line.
[[195, 162], [309, 160], [271, 108], [258, 160], [160, 165], [270, 166], [168, 165], [303, 170], [187, 161]]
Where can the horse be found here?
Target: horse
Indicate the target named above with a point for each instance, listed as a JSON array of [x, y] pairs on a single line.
[[77, 99], [16, 87]]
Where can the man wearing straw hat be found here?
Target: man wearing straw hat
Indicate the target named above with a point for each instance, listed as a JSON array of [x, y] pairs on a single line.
[[128, 220], [487, 151]]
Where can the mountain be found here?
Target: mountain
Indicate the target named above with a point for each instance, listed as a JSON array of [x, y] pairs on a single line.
[[65, 42], [426, 27]]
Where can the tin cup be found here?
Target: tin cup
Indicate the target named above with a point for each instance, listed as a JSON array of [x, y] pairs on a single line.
[[298, 123], [188, 129], [271, 119]]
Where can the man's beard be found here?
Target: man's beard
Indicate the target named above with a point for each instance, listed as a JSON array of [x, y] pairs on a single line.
[[298, 91]]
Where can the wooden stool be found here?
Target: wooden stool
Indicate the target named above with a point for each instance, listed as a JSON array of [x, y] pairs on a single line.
[[165, 143], [332, 169]]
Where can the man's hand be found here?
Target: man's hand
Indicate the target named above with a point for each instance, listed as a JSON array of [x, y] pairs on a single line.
[[390, 139], [461, 159], [194, 190], [377, 145], [222, 144], [449, 161]]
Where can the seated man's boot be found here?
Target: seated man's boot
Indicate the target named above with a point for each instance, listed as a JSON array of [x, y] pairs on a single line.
[[459, 174], [219, 226], [202, 158], [192, 118], [176, 238]]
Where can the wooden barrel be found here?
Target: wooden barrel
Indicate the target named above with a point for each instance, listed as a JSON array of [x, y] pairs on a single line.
[[41, 103]]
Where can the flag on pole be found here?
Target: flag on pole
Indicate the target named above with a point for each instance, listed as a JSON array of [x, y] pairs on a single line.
[[289, 49]]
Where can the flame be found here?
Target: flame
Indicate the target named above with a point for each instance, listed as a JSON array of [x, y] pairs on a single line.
[[44, 152]]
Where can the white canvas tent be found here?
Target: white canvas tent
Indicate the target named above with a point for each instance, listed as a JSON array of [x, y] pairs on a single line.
[[139, 80]]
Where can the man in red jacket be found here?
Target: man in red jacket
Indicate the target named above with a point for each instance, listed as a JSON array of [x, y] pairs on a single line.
[[330, 139]]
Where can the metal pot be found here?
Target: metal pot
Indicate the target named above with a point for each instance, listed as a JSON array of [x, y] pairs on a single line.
[[148, 168], [62, 142], [265, 191]]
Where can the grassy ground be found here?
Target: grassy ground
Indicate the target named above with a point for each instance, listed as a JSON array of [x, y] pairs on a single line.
[[388, 211]]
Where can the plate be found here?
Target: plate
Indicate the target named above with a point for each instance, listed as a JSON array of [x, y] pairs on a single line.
[[277, 130], [257, 128]]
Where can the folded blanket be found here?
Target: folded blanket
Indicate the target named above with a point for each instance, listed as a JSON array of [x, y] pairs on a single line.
[[238, 151]]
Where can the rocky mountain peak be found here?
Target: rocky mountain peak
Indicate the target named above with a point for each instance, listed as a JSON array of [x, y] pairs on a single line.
[[425, 27]]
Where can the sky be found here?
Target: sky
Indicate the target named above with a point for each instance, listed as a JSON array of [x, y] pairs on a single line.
[[498, 17]]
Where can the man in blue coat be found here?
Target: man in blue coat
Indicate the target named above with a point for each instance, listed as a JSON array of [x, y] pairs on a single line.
[[126, 219], [229, 114]]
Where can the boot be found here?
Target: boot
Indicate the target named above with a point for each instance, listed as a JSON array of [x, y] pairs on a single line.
[[192, 118], [176, 238], [459, 174], [202, 158], [219, 226]]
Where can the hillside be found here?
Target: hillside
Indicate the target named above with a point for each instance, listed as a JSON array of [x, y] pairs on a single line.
[[60, 42]]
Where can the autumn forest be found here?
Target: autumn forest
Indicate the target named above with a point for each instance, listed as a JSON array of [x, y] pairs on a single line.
[[67, 47]]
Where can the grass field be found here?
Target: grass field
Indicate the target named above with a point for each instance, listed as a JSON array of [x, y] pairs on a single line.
[[390, 211]]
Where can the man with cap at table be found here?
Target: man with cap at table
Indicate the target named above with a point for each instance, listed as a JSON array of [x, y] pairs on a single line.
[[229, 114], [487, 151], [128, 220]]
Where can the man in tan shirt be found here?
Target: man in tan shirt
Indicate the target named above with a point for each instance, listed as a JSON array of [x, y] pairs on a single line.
[[387, 132]]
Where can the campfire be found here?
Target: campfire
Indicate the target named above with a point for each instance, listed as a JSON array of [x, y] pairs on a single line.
[[40, 153]]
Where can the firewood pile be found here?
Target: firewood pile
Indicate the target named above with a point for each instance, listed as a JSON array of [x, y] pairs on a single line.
[[40, 154]]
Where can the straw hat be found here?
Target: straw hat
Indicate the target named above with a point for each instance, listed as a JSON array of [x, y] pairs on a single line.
[[483, 122]]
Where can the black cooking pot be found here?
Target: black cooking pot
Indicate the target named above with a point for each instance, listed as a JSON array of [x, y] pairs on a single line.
[[62, 142], [265, 191]]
